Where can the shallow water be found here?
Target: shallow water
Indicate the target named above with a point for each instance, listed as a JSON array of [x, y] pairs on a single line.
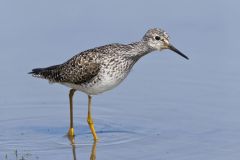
[[168, 107]]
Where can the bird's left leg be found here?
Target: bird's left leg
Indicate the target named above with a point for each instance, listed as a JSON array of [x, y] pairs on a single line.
[[89, 119]]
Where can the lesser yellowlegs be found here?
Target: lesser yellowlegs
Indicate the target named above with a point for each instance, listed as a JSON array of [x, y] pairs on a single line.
[[102, 68]]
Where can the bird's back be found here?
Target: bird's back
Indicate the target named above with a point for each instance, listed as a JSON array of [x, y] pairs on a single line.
[[82, 67]]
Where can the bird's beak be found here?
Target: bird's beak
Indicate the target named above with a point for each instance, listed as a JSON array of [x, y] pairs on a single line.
[[171, 47]]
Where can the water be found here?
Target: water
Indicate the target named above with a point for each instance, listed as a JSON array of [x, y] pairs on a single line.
[[168, 107]]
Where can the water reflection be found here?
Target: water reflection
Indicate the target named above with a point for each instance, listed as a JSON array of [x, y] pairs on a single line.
[[93, 151]]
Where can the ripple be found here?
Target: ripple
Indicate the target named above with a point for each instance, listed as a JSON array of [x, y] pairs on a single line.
[[45, 133]]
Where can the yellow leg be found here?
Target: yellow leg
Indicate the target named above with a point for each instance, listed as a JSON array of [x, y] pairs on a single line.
[[89, 119], [71, 129]]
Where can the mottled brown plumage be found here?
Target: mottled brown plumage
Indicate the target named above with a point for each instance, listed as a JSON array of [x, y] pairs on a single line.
[[100, 69], [77, 70]]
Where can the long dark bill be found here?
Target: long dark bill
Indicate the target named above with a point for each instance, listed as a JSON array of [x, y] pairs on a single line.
[[171, 47]]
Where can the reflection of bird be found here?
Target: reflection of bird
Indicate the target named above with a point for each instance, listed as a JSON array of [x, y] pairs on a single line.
[[93, 151], [72, 141], [100, 69]]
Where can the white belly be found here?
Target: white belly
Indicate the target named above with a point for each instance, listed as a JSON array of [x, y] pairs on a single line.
[[106, 83]]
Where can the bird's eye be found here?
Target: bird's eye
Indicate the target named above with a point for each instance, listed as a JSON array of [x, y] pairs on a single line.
[[157, 38]]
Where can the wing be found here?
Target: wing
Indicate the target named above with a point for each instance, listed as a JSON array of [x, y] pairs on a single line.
[[80, 69]]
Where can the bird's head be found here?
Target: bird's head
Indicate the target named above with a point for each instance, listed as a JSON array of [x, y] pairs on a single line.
[[158, 39]]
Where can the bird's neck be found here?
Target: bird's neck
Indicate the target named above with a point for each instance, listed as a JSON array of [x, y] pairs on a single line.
[[139, 49]]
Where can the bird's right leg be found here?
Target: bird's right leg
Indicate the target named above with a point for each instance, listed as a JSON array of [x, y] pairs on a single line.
[[89, 119], [71, 129]]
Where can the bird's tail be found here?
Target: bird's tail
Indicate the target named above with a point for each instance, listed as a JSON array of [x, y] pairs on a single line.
[[51, 73]]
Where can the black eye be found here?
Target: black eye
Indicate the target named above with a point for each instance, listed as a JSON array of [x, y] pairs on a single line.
[[157, 38]]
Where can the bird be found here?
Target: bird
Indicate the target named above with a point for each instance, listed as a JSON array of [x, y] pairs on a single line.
[[101, 69]]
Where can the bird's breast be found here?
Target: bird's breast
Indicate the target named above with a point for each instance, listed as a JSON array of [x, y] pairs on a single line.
[[107, 79]]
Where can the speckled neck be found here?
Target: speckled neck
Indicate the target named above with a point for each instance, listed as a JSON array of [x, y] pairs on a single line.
[[139, 49]]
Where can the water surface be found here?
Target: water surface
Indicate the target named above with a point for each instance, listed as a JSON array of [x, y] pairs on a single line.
[[168, 107]]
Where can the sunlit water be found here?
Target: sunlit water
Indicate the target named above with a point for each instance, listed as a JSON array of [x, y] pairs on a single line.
[[168, 107]]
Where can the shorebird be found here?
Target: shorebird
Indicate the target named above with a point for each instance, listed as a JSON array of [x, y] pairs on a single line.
[[100, 69]]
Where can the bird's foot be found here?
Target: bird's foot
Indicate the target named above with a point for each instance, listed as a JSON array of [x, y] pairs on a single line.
[[91, 126]]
